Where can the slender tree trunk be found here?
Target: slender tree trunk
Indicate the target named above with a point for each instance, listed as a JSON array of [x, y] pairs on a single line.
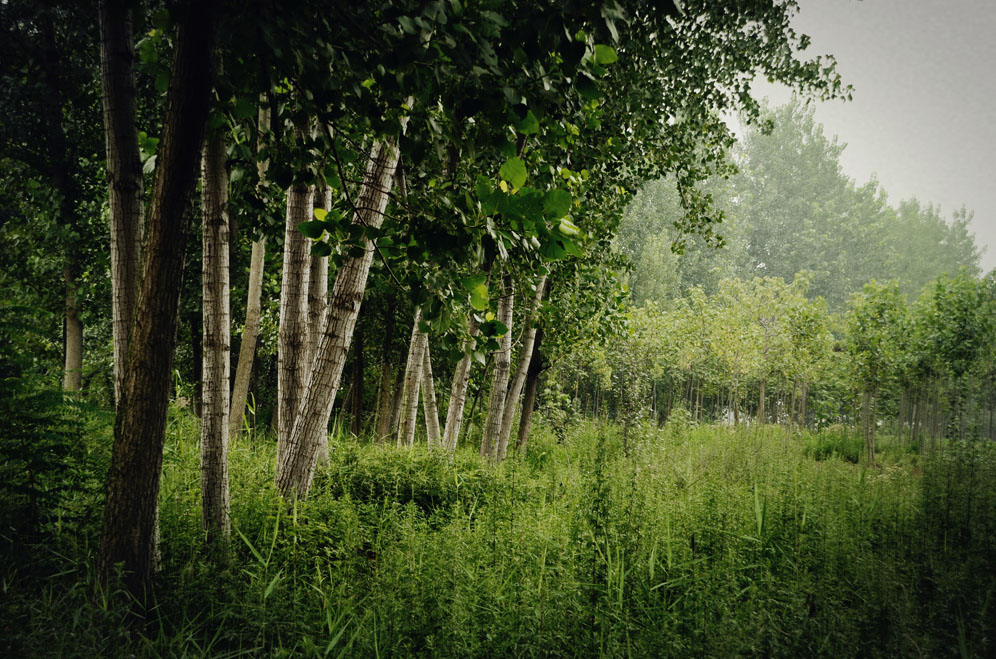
[[525, 356], [529, 397], [73, 378], [429, 408], [62, 180], [217, 346], [413, 382], [127, 536], [293, 341], [499, 386], [124, 172], [247, 349], [318, 302], [760, 403], [194, 325], [397, 398], [301, 455], [458, 391]]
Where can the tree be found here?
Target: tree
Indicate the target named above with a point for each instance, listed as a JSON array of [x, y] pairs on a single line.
[[136, 461]]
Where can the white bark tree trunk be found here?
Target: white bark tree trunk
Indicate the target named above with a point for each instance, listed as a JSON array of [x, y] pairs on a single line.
[[217, 355], [247, 350], [525, 355], [429, 408], [318, 301], [499, 385], [292, 346], [413, 382], [458, 391], [301, 454]]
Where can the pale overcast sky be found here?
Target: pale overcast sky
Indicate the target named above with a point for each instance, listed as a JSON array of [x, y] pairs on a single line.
[[922, 120]]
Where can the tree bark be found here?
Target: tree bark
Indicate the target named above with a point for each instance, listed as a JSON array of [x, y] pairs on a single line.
[[124, 172], [247, 348], [429, 408], [293, 342], [318, 301], [300, 456], [760, 403], [458, 391], [499, 386], [529, 397], [413, 382], [525, 356], [127, 536], [217, 346]]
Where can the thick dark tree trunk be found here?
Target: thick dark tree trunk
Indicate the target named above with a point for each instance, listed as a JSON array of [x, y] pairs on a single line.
[[127, 536], [124, 171]]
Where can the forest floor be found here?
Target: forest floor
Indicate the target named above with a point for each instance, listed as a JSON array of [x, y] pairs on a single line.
[[707, 541]]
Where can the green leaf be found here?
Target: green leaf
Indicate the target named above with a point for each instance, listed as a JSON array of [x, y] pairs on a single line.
[[479, 297], [320, 214], [557, 203], [514, 171], [588, 88], [605, 54], [321, 249], [273, 584], [244, 108], [313, 230], [528, 125], [568, 228]]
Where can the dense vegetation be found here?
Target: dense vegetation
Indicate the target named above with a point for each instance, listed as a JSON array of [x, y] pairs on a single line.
[[693, 542], [265, 339]]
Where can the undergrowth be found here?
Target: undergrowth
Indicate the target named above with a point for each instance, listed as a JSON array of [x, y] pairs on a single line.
[[710, 541]]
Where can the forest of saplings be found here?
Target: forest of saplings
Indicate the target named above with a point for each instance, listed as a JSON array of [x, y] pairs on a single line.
[[471, 328]]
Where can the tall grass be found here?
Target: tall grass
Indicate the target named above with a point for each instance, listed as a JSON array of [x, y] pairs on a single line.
[[705, 542]]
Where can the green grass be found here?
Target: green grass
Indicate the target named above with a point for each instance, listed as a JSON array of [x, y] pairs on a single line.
[[707, 542]]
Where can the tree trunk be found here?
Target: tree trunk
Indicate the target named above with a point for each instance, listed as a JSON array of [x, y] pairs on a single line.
[[413, 382], [217, 346], [356, 406], [529, 397], [429, 408], [499, 386], [298, 461], [397, 397], [73, 378], [525, 356], [293, 342], [127, 535], [247, 348], [318, 302], [124, 172], [458, 391], [760, 403]]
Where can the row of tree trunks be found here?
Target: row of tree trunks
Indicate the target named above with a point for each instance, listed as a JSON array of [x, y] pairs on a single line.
[[127, 535], [124, 171], [297, 461], [217, 346], [499, 385], [525, 356], [247, 349]]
